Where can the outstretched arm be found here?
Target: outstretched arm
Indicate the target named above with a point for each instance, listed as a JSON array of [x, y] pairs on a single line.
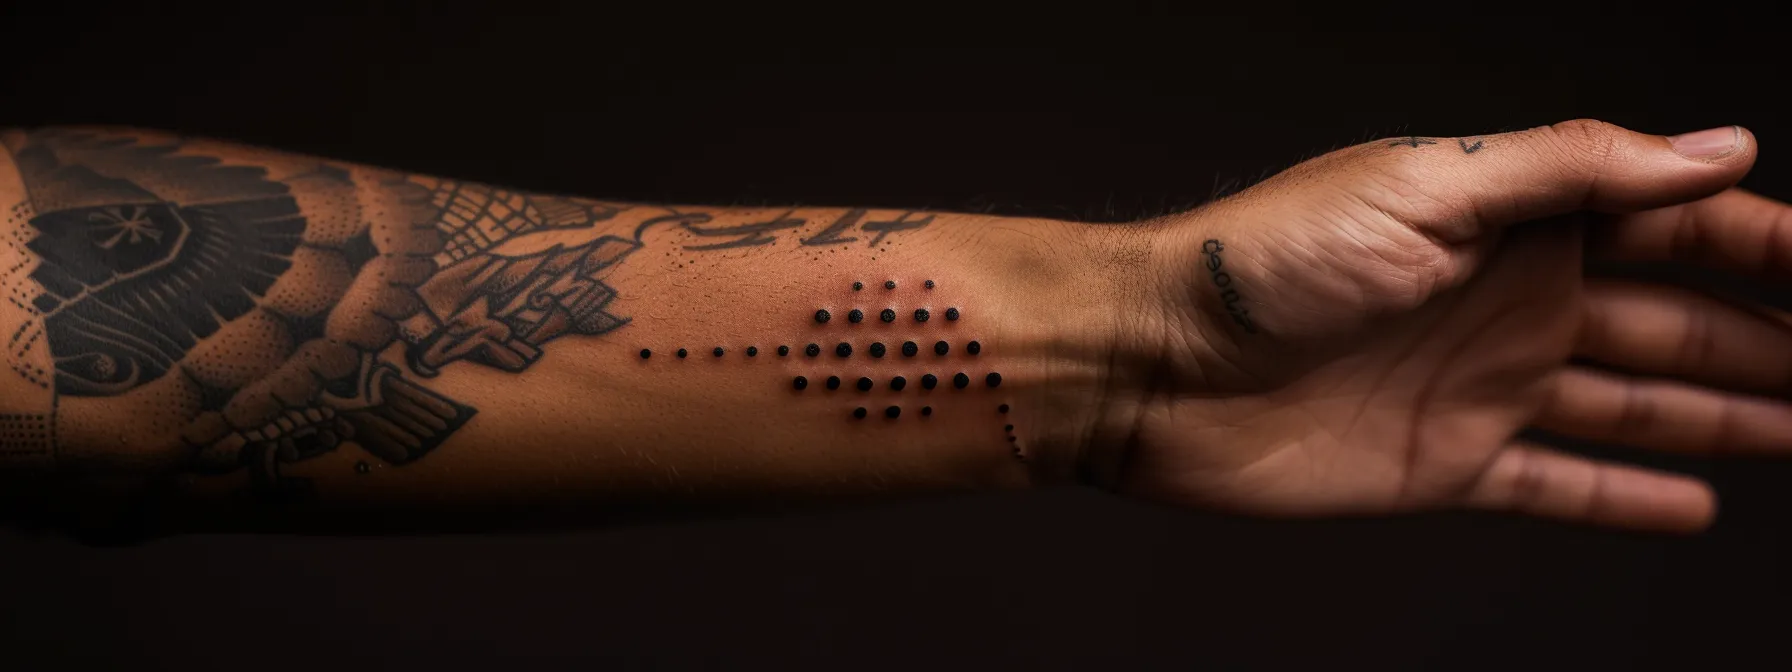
[[223, 330]]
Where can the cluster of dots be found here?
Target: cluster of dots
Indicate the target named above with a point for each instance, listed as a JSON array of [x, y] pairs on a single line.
[[929, 381], [822, 316], [842, 349]]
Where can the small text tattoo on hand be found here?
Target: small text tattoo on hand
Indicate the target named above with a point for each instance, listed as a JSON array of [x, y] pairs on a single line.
[[1223, 280]]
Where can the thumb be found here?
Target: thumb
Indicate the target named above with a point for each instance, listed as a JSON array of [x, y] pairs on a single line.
[[1459, 188]]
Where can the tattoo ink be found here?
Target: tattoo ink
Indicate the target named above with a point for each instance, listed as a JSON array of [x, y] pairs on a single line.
[[822, 316], [1002, 409], [952, 314], [887, 316], [1009, 428], [858, 286], [833, 382], [856, 316], [909, 349], [941, 348], [898, 383], [783, 351], [1412, 141], [973, 347], [717, 351], [812, 350], [961, 380], [864, 384], [892, 411], [928, 284], [901, 223], [752, 351], [889, 284], [645, 353], [682, 353], [800, 382], [858, 412], [926, 410], [1223, 280], [745, 235], [921, 315], [831, 235], [877, 349], [1468, 148], [929, 381], [993, 379], [843, 350]]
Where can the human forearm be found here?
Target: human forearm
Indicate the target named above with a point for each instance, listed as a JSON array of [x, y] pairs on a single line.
[[350, 336]]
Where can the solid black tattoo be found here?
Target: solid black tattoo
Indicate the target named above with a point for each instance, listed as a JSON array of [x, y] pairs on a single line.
[[905, 222], [645, 353], [952, 314], [822, 316], [858, 286], [859, 412], [909, 348], [800, 382], [973, 347], [864, 384], [877, 349], [1468, 148], [928, 284], [941, 348], [718, 351], [843, 350], [833, 382], [812, 350], [889, 315], [898, 383], [993, 379], [929, 381], [856, 316], [752, 351], [1228, 294], [889, 284], [921, 315], [783, 351], [682, 353], [926, 410], [893, 411], [961, 380], [832, 234], [1002, 409]]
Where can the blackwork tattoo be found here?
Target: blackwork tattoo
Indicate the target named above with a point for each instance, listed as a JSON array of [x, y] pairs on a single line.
[[1228, 294], [1468, 148], [1412, 141], [248, 316]]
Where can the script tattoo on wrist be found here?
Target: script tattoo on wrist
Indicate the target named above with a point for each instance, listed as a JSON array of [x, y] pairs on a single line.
[[1223, 280]]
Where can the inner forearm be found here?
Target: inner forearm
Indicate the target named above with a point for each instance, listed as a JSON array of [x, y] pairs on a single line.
[[316, 331]]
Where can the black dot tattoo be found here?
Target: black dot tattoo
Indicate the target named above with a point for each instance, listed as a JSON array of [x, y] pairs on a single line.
[[858, 286], [833, 382], [843, 349], [1002, 409], [892, 411], [898, 383], [952, 314], [941, 348], [926, 410], [928, 284], [973, 347], [717, 351], [800, 382], [877, 349], [682, 354], [812, 350], [888, 315], [856, 316], [921, 315], [783, 351], [929, 381], [993, 379], [889, 284], [1008, 428], [909, 349], [822, 316], [858, 412], [864, 384], [752, 351], [645, 353], [961, 381]]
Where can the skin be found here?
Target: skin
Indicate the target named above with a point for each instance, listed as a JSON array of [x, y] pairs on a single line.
[[1412, 305]]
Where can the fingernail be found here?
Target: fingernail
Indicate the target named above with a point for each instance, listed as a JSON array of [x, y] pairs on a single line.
[[1709, 143]]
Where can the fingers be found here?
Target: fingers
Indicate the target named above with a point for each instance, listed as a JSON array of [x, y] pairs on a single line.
[[1663, 415], [1537, 481], [1457, 188], [1679, 333], [1734, 231]]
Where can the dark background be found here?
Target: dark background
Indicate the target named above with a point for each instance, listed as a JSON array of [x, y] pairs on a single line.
[[1108, 113]]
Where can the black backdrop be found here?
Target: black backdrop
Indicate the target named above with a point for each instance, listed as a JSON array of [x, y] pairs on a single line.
[[1110, 113]]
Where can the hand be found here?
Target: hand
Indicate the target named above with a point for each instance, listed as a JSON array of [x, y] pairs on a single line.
[[1367, 332]]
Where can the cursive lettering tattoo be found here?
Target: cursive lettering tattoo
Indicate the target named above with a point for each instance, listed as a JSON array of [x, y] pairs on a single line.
[[1223, 280]]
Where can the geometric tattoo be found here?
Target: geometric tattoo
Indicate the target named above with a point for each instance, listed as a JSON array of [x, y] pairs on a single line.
[[251, 316]]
